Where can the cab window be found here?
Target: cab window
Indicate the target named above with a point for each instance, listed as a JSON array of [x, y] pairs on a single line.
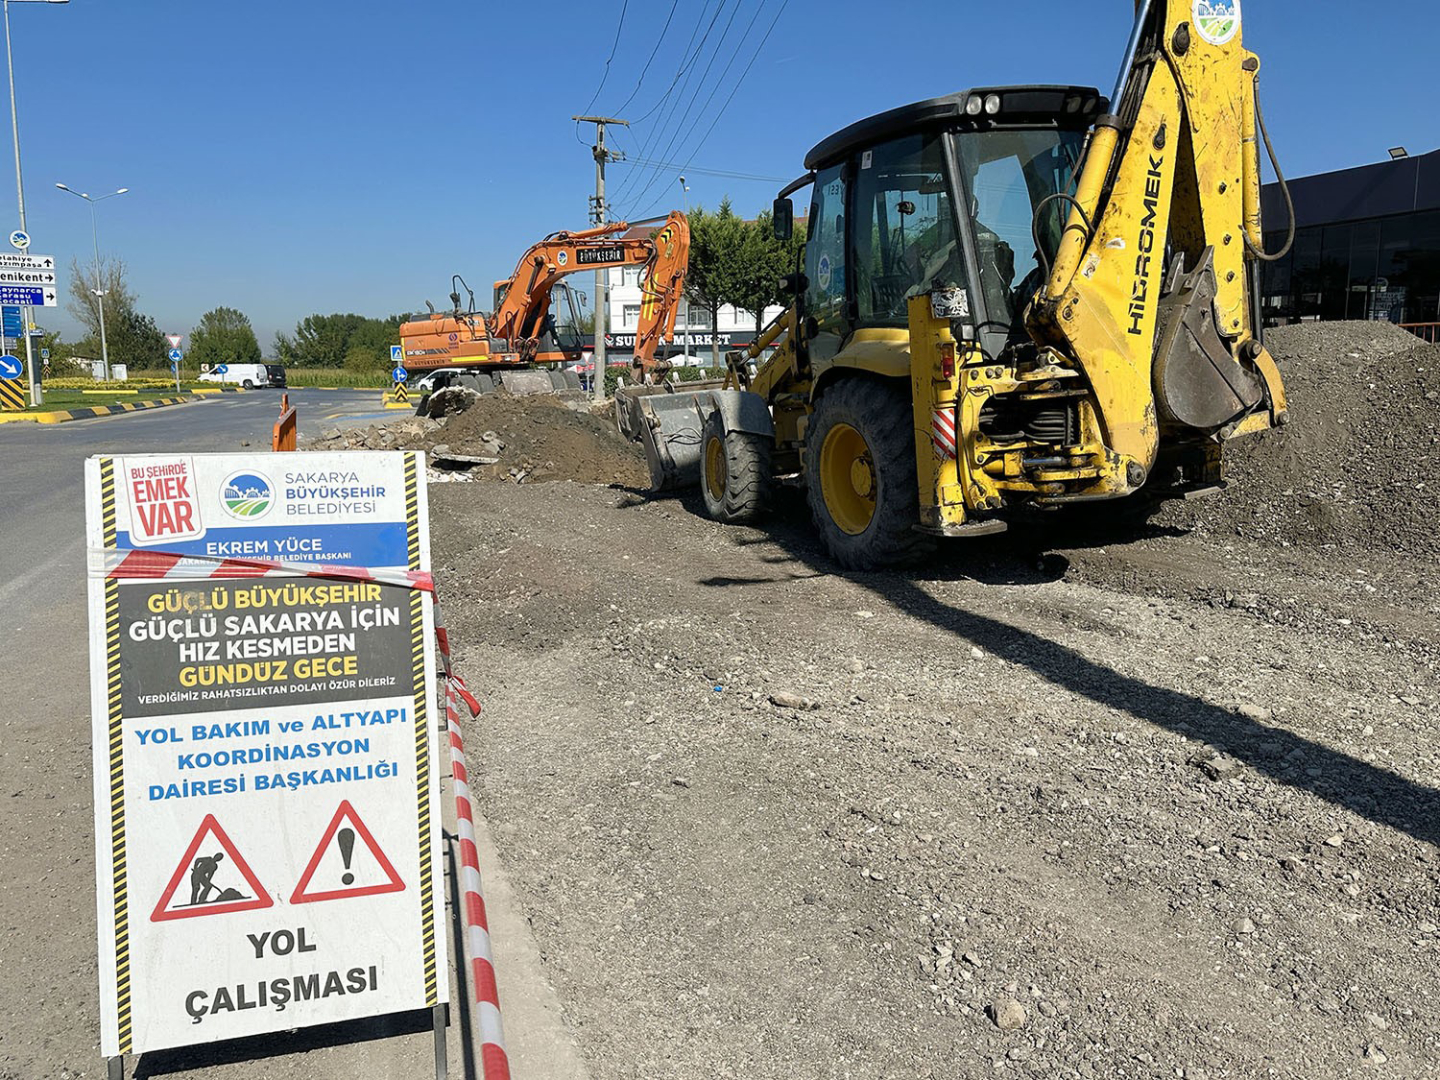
[[904, 235], [826, 266]]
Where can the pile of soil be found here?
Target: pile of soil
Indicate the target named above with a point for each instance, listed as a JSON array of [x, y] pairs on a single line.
[[1355, 469], [539, 437]]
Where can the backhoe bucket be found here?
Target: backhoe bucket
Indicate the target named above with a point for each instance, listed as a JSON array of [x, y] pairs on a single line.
[[666, 423]]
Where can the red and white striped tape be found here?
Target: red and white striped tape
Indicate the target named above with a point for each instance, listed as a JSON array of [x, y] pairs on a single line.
[[135, 564], [160, 565], [490, 1033], [942, 431]]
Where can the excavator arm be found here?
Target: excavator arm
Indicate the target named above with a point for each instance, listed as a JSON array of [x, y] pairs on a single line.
[[664, 256], [1151, 293]]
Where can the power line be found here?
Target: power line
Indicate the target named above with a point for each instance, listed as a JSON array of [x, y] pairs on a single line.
[[741, 80], [701, 170], [646, 69], [714, 89], [696, 93], [669, 99], [625, 5]]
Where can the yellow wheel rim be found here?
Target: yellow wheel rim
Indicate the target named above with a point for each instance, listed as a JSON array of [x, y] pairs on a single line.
[[715, 468], [847, 479]]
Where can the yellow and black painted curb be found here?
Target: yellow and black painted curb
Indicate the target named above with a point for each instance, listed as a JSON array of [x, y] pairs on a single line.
[[91, 412]]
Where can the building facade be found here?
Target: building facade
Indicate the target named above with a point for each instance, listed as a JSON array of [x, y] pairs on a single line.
[[1367, 245], [693, 330]]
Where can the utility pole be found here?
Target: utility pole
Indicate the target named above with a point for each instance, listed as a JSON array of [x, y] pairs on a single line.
[[597, 215]]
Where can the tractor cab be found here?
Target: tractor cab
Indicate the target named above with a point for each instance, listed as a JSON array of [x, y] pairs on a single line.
[[966, 192]]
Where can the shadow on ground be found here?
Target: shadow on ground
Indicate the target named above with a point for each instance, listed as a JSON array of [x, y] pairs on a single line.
[[1027, 555]]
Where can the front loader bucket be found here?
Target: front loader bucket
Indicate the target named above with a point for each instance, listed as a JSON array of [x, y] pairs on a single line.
[[667, 425]]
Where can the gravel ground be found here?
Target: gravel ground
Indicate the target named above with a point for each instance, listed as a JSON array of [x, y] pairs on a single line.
[[1064, 804]]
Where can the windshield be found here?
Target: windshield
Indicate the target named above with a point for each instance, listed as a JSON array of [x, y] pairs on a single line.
[[1008, 173]]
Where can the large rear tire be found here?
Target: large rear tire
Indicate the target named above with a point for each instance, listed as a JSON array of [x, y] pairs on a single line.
[[860, 474], [735, 472]]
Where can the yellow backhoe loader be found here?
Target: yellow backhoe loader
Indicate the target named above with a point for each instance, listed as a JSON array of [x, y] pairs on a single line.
[[1011, 296]]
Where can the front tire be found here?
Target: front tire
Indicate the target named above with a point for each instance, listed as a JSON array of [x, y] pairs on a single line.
[[735, 472], [860, 474]]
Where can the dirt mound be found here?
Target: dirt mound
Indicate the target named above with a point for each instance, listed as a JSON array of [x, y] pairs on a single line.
[[1355, 467], [539, 437]]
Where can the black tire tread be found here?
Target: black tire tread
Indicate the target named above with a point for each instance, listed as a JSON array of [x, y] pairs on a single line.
[[882, 412], [749, 478]]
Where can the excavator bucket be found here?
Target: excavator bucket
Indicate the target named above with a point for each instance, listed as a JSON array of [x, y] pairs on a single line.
[[666, 423]]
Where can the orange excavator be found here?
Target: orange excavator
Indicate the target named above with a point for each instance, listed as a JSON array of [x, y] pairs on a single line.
[[536, 320]]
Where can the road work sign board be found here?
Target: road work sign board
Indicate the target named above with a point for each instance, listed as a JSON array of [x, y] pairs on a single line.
[[266, 762]]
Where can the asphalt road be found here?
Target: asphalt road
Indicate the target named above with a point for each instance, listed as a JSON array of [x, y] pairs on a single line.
[[48, 967]]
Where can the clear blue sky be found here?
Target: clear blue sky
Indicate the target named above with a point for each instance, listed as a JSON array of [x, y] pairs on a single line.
[[293, 157]]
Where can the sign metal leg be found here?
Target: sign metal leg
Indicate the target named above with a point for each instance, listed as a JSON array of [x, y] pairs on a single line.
[[115, 1068], [442, 1068]]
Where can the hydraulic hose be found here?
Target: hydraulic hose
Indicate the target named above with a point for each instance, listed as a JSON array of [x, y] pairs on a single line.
[[1284, 190]]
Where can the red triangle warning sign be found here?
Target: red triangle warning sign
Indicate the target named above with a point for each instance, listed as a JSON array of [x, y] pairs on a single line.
[[340, 868], [219, 877]]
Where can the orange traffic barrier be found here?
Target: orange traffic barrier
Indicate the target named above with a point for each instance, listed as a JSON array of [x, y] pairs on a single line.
[[284, 436]]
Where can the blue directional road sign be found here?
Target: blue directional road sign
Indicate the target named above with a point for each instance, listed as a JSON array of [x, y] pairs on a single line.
[[176, 356], [221, 369], [12, 322], [399, 374], [10, 367], [34, 295], [397, 355]]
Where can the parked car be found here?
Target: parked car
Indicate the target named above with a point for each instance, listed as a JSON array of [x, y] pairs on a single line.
[[435, 380], [247, 375], [277, 375]]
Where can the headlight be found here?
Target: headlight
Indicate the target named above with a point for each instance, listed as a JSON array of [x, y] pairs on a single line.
[[1091, 104], [1072, 103], [992, 104], [973, 105]]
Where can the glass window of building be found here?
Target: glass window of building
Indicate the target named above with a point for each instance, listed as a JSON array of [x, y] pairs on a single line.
[[630, 316]]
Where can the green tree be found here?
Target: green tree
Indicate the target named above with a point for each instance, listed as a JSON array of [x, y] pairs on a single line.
[[764, 263], [715, 276], [136, 341], [340, 341], [223, 336]]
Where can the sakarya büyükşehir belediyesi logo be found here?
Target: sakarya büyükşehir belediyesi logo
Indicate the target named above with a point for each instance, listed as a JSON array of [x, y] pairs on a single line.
[[247, 495]]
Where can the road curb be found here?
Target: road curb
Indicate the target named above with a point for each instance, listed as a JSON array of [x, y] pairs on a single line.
[[91, 412]]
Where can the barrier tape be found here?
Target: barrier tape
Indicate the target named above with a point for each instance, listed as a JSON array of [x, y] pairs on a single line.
[[116, 565]]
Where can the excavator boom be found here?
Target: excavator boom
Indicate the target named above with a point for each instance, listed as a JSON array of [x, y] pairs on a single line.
[[514, 333]]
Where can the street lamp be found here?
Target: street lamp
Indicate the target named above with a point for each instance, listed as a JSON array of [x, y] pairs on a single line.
[[35, 391], [99, 292]]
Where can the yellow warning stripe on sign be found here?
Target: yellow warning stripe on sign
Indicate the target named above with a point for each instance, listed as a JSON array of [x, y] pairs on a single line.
[[422, 730], [12, 394], [117, 772]]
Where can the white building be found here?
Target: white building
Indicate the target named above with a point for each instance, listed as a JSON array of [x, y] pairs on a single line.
[[692, 325]]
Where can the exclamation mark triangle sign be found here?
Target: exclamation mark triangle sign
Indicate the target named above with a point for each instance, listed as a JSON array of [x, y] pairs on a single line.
[[347, 862]]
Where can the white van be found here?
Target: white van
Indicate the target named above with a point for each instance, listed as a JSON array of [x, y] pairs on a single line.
[[247, 375]]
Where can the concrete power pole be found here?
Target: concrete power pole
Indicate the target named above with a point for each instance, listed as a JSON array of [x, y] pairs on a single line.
[[598, 215]]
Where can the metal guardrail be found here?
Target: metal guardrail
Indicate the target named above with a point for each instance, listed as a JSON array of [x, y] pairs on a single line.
[[1425, 331], [285, 435]]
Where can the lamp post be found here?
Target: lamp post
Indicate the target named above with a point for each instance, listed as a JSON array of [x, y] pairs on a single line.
[[99, 292], [36, 394]]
